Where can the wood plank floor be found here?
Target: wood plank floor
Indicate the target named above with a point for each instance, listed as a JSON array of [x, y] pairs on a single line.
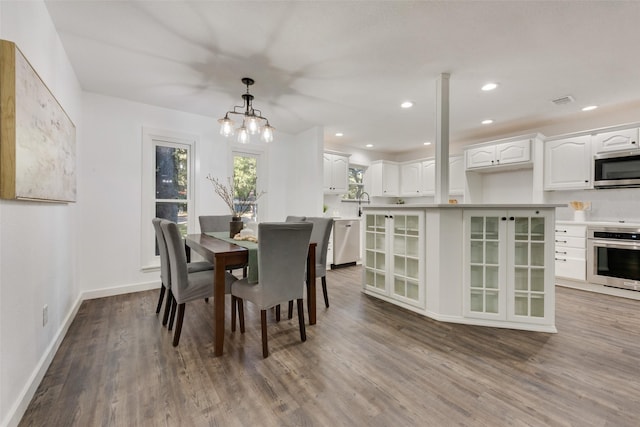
[[365, 363]]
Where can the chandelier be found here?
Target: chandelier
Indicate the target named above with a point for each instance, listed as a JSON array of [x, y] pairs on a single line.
[[252, 120]]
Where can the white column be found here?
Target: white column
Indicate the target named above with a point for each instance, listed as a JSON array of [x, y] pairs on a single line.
[[442, 139]]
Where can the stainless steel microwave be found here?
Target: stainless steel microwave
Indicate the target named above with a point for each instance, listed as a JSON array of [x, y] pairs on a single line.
[[617, 170]]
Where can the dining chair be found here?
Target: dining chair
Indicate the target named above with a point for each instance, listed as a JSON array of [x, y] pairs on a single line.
[[293, 218], [282, 257], [165, 275], [213, 223], [186, 286]]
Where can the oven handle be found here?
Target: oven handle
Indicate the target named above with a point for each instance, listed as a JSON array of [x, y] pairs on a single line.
[[620, 245]]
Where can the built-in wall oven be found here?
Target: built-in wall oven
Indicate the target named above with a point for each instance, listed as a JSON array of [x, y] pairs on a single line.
[[613, 256]]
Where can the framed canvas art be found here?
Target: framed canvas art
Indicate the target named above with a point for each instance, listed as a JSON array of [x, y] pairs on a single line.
[[37, 137]]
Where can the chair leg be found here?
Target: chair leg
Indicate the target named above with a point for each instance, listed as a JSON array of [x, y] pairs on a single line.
[[167, 308], [263, 322], [162, 290], [172, 316], [176, 336], [324, 291], [241, 314], [290, 314], [206, 300], [278, 313], [303, 333], [244, 272], [233, 313]]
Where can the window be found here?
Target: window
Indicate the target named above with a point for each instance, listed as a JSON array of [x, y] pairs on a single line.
[[245, 179], [167, 186], [356, 183]]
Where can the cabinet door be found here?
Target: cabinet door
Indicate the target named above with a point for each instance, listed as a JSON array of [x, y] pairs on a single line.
[[406, 235], [513, 152], [410, 179], [485, 255], [625, 139], [429, 177], [327, 162], [529, 238], [567, 164], [480, 157], [375, 252], [340, 174], [390, 180], [456, 176]]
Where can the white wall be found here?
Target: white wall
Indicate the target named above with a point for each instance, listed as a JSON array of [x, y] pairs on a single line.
[[38, 245]]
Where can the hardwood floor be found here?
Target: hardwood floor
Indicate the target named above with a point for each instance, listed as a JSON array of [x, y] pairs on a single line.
[[365, 363]]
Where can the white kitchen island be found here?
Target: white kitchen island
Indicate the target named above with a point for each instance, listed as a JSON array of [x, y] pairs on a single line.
[[488, 265]]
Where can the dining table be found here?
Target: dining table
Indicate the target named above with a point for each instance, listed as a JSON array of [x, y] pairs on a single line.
[[224, 253]]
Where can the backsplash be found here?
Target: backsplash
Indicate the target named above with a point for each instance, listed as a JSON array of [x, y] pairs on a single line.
[[620, 204]]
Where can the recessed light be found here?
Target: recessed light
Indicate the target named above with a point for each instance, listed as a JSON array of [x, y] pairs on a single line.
[[407, 104], [487, 122], [489, 86], [339, 134], [590, 107], [369, 145], [426, 143]]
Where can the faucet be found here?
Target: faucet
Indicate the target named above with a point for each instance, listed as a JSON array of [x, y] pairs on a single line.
[[360, 202]]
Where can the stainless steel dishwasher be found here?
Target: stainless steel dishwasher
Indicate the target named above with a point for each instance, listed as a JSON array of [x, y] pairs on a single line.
[[346, 242]]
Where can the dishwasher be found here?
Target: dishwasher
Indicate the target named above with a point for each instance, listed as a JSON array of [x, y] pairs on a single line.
[[346, 242]]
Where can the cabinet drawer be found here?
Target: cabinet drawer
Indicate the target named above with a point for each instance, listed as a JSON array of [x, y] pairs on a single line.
[[571, 268], [570, 242], [566, 252], [571, 230]]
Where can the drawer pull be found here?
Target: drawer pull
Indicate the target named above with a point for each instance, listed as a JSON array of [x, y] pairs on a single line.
[[561, 259], [561, 241], [561, 253], [561, 231]]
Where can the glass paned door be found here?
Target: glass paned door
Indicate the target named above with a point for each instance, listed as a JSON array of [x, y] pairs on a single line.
[[375, 251], [528, 270], [406, 256]]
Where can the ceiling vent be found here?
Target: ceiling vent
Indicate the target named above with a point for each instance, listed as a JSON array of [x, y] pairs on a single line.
[[568, 99]]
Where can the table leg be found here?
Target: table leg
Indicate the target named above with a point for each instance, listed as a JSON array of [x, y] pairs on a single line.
[[311, 284], [218, 304]]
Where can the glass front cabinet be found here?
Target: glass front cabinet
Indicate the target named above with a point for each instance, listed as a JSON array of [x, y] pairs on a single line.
[[508, 265], [394, 246]]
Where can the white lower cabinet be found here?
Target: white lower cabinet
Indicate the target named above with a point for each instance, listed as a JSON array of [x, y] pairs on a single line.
[[571, 251], [508, 273], [394, 246]]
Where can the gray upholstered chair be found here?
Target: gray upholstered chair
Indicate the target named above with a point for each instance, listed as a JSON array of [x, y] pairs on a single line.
[[282, 257], [293, 218], [211, 223], [186, 286], [165, 275]]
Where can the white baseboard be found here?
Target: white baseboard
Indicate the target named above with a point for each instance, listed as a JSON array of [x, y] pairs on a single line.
[[22, 403]]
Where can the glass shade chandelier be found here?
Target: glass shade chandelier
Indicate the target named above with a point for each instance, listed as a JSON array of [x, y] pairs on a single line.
[[252, 120]]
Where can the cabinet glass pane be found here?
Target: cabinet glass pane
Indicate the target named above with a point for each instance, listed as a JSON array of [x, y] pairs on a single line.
[[399, 224], [492, 252], [412, 225], [521, 254], [477, 301], [477, 227], [380, 281], [537, 254], [537, 229], [412, 268], [399, 245], [537, 279], [521, 304], [477, 276], [491, 277], [537, 306], [522, 228], [380, 242], [370, 259], [413, 290], [521, 278], [412, 246], [370, 222], [369, 277], [398, 287], [477, 252], [492, 228], [398, 265], [380, 264], [370, 241], [491, 301]]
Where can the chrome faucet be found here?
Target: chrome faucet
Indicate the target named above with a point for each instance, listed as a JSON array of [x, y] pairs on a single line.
[[360, 202]]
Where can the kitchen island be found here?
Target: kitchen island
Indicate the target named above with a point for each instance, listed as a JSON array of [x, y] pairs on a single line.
[[488, 265]]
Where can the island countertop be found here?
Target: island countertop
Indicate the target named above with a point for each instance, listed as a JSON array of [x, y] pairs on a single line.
[[466, 205]]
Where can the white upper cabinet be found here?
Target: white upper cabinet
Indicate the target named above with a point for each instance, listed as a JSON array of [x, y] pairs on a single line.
[[429, 177], [456, 175], [625, 139], [419, 178], [499, 154], [567, 163], [336, 173], [410, 174], [383, 179]]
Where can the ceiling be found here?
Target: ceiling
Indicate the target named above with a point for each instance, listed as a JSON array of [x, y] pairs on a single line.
[[347, 65]]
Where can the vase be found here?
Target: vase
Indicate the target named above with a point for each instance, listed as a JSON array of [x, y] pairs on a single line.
[[235, 226]]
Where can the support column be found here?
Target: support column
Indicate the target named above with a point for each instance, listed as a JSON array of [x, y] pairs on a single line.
[[442, 139]]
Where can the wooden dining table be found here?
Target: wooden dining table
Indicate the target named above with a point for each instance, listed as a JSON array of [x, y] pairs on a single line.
[[223, 254]]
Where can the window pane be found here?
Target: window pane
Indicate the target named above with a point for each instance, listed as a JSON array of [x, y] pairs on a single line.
[[174, 212], [171, 173], [245, 181], [356, 182]]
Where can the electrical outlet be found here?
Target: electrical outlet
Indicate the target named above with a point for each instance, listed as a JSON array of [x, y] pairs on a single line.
[[45, 315]]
